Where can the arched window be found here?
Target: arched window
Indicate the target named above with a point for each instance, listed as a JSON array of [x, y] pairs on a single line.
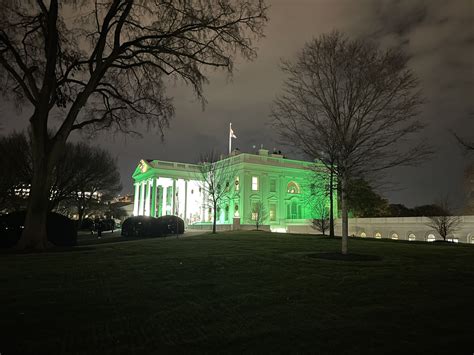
[[395, 236], [378, 235], [293, 188], [430, 238], [411, 237], [363, 235]]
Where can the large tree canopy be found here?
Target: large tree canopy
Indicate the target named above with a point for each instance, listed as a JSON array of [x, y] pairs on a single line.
[[352, 106], [102, 64]]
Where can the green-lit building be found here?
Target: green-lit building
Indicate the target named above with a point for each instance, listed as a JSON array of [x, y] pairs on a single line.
[[283, 185]]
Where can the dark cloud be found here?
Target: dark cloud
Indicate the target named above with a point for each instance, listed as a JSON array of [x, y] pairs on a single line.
[[437, 35]]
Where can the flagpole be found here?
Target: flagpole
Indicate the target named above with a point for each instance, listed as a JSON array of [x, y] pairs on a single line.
[[230, 138]]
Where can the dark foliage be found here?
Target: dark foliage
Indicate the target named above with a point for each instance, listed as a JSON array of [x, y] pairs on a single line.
[[399, 210], [61, 230], [87, 224], [171, 225], [145, 227], [363, 201]]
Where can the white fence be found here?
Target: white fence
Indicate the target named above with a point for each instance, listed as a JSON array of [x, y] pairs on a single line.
[[397, 228]]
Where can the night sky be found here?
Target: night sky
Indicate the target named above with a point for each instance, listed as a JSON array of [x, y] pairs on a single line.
[[438, 35]]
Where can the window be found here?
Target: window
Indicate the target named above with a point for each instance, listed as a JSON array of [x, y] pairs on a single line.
[[431, 238], [272, 214], [293, 188], [254, 183], [378, 235], [254, 211], [395, 236], [363, 235], [293, 210], [411, 237], [237, 183], [272, 185]]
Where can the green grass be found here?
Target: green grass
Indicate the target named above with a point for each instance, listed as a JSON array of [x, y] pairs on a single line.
[[239, 292]]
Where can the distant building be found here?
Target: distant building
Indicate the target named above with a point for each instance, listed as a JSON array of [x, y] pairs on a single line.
[[283, 185]]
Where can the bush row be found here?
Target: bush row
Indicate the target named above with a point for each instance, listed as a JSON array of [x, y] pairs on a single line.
[[142, 226]]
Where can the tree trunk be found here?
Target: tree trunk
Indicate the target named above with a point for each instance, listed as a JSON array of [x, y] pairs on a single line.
[[345, 216], [214, 219], [331, 203], [34, 235]]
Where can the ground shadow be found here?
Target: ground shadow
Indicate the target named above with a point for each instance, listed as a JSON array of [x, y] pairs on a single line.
[[342, 257]]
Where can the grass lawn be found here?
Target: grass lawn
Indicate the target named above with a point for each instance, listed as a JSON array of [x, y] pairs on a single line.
[[239, 292]]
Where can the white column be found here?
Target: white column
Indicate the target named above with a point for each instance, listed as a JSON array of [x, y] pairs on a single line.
[[173, 200], [185, 202], [142, 198], [135, 199], [163, 209], [148, 199]]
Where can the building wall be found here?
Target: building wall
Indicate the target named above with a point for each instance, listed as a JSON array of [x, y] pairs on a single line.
[[151, 176]]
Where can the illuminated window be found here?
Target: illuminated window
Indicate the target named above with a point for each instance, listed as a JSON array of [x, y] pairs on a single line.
[[378, 235], [411, 237], [363, 235], [395, 236], [293, 188], [272, 214], [430, 238], [254, 183], [272, 185]]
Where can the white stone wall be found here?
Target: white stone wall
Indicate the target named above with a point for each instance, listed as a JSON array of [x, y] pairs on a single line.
[[402, 227]]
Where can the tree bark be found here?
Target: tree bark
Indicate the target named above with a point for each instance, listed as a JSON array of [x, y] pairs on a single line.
[[214, 218], [34, 235], [331, 203], [345, 216]]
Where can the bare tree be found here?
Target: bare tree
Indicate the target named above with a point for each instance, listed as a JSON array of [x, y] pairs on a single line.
[[445, 223], [324, 187], [15, 160], [216, 179], [258, 213], [322, 222], [96, 180], [101, 64], [466, 143], [82, 174], [348, 102]]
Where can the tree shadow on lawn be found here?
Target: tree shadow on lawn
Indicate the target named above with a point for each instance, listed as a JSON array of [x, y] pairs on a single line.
[[346, 257]]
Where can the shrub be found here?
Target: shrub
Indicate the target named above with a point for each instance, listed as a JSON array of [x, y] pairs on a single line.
[[87, 224], [140, 226], [143, 226], [171, 225], [60, 229]]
